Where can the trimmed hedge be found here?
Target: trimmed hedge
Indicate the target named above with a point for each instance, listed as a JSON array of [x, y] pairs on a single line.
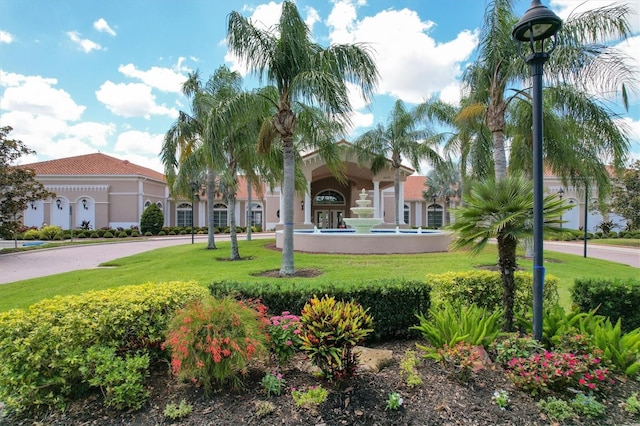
[[484, 288], [393, 304], [616, 298], [43, 350]]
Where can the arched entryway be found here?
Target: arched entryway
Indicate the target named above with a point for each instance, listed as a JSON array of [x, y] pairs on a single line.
[[329, 208]]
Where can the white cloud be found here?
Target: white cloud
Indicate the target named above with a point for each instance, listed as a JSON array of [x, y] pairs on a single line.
[[312, 17], [165, 79], [412, 65], [132, 100], [102, 26], [566, 8], [135, 141], [36, 95], [6, 37], [92, 133], [85, 44]]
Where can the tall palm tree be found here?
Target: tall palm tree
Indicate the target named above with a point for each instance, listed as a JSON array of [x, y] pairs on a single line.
[[404, 137], [583, 60], [501, 209], [304, 74]]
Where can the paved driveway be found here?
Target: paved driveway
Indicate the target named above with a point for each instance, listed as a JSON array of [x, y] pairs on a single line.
[[39, 263]]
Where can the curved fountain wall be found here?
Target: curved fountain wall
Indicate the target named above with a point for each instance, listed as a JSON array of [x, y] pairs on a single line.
[[376, 242]]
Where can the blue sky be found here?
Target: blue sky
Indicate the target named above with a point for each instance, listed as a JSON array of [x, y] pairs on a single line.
[[78, 77]]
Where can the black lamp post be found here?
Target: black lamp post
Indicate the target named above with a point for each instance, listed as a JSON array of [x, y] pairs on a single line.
[[560, 194], [536, 26], [194, 186], [433, 203]]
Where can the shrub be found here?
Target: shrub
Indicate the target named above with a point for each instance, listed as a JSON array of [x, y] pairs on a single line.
[[515, 346], [284, 336], [587, 405], [162, 233], [409, 369], [314, 395], [394, 303], [453, 324], [556, 409], [632, 404], [122, 234], [49, 232], [177, 412], [107, 234], [42, 347], [330, 331], [151, 219], [119, 378], [272, 383], [484, 289], [31, 234], [557, 371], [148, 234], [212, 340], [462, 359], [613, 298], [135, 234], [95, 235]]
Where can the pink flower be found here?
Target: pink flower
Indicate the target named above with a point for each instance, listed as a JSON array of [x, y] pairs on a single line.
[[289, 343]]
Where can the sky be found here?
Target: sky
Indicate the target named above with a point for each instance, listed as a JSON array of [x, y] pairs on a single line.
[[79, 77]]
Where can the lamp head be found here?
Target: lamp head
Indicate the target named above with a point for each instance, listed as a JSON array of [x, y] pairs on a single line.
[[538, 23], [58, 203]]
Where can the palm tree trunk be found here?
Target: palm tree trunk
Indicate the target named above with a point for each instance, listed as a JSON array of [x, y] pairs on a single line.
[[233, 234], [496, 124], [396, 193], [211, 189], [287, 268], [507, 264], [248, 223]]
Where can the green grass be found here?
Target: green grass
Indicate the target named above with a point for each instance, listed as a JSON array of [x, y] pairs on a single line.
[[194, 262]]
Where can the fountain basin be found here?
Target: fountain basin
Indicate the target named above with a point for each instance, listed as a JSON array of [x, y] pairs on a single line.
[[386, 241], [362, 225]]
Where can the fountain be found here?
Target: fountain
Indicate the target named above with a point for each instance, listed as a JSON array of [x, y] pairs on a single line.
[[363, 223]]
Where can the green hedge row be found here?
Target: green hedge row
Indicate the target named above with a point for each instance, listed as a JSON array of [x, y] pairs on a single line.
[[616, 298], [44, 349], [484, 288], [393, 303]]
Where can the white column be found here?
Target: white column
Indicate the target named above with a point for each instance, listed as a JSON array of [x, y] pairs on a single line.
[[307, 204], [376, 199], [419, 213], [401, 205]]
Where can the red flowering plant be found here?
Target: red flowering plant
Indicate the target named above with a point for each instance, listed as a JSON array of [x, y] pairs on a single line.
[[212, 340], [542, 372], [284, 334]]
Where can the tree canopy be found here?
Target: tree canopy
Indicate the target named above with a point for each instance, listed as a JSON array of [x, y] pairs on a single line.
[[18, 186]]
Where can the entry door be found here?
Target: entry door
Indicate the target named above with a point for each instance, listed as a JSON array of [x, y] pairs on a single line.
[[327, 219]]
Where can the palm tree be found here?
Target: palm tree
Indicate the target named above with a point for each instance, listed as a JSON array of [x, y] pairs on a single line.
[[303, 73], [402, 138], [444, 182], [583, 61], [501, 210]]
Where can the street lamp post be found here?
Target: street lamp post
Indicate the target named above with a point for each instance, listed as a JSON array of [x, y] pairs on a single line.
[[560, 194], [536, 26], [194, 186]]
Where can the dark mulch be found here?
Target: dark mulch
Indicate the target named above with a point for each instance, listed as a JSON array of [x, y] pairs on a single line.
[[440, 400]]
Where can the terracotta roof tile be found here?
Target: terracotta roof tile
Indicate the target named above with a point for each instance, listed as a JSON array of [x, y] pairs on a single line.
[[92, 164], [413, 187]]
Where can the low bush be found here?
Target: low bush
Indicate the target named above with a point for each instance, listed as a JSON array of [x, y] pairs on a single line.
[[212, 341], [394, 303], [107, 234], [613, 298], [49, 232], [31, 234], [484, 289], [330, 332], [42, 348]]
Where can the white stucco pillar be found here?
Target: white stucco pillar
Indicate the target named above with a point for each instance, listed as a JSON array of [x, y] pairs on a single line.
[[419, 214], [400, 211], [376, 199], [201, 213]]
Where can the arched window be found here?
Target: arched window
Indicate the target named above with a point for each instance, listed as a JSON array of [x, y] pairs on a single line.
[[407, 212], [147, 204], [159, 204], [434, 216], [220, 215], [329, 197], [183, 216]]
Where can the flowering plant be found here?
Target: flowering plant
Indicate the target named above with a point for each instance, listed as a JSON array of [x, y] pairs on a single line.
[[557, 371], [394, 401], [284, 333], [313, 395], [272, 383], [501, 399], [212, 340]]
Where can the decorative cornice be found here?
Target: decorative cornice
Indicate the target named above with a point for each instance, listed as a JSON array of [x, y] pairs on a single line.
[[77, 188]]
